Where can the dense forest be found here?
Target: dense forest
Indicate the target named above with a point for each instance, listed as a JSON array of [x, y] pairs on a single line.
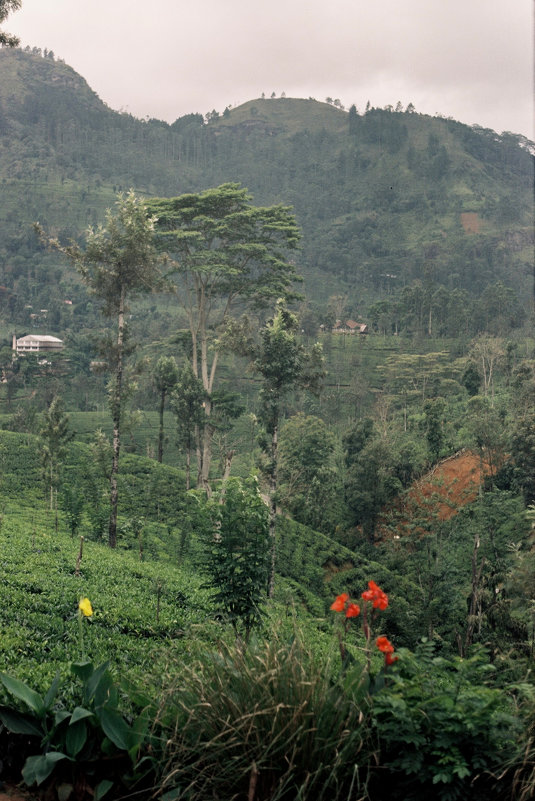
[[295, 397]]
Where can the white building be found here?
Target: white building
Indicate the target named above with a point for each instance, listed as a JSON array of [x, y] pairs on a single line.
[[37, 343]]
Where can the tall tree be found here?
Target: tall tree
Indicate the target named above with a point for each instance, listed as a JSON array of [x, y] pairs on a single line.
[[434, 409], [165, 378], [371, 480], [118, 263], [227, 252], [283, 364], [6, 7], [488, 353]]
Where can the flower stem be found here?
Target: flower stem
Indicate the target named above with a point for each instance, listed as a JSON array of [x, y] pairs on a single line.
[[81, 634]]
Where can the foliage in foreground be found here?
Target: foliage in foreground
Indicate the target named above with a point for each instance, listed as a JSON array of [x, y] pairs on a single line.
[[90, 748], [279, 721], [236, 554], [266, 723], [275, 722]]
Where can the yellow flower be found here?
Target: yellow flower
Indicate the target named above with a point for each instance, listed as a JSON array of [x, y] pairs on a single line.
[[85, 607]]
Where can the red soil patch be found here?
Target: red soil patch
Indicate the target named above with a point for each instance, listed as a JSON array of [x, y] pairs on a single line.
[[451, 484], [470, 222]]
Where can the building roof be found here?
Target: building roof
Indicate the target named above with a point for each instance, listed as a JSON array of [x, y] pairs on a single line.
[[38, 338], [351, 325]]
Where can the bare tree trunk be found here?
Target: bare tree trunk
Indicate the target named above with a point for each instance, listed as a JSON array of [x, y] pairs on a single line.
[[229, 456], [199, 452], [116, 414], [206, 438], [474, 597], [206, 458]]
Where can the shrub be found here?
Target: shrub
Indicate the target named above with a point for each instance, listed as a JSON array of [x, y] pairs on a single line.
[[442, 732], [82, 752], [522, 769]]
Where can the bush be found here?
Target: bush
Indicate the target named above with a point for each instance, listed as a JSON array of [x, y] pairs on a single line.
[[442, 732]]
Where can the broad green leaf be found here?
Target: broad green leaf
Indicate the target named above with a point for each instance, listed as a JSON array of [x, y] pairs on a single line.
[[76, 737], [38, 768], [60, 716], [102, 788], [80, 713], [100, 675], [18, 723], [115, 728], [82, 669], [52, 691], [24, 693]]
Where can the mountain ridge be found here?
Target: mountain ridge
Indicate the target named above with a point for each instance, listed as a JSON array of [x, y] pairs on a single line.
[[380, 196]]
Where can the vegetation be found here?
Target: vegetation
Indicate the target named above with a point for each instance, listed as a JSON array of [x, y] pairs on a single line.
[[228, 252], [6, 6], [344, 605], [119, 261]]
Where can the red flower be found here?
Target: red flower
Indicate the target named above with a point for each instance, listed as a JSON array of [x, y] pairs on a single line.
[[353, 610], [384, 645], [375, 594], [339, 602]]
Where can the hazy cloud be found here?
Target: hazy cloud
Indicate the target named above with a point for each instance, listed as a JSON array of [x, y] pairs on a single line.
[[468, 59]]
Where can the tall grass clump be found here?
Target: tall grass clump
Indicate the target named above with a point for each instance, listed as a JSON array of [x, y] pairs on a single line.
[[522, 769], [264, 724]]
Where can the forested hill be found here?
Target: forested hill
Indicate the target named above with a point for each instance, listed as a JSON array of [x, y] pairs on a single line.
[[389, 201]]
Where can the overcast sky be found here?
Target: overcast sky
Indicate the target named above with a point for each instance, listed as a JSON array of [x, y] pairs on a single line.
[[467, 59]]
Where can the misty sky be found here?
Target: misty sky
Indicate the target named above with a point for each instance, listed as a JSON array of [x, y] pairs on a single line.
[[467, 59]]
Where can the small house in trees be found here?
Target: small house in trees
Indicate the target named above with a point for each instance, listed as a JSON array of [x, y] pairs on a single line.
[[37, 343], [349, 327]]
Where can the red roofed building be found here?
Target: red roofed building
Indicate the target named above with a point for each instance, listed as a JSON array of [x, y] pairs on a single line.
[[349, 327]]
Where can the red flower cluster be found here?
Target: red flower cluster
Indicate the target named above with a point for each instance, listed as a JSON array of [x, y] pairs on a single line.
[[340, 605], [379, 600], [375, 594], [384, 645]]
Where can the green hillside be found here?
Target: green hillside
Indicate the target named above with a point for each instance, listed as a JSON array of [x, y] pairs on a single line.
[[181, 699], [385, 200]]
